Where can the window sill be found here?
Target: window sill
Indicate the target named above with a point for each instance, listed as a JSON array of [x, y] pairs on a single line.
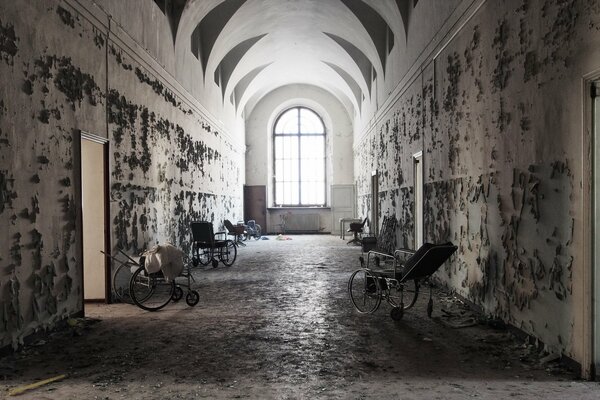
[[298, 208]]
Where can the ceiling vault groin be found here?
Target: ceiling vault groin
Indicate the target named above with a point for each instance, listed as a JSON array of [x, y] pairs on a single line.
[[249, 48]]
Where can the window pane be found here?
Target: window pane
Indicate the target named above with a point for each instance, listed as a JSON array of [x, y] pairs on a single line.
[[313, 171], [312, 147], [299, 165], [313, 192], [279, 193], [310, 122], [279, 170], [289, 192], [290, 147], [288, 122], [278, 147]]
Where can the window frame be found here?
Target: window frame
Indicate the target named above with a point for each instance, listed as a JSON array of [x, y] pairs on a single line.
[[298, 134]]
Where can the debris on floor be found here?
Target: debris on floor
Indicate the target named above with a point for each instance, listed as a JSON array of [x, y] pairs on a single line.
[[80, 325], [22, 389]]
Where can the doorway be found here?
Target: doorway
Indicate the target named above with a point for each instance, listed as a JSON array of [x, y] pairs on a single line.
[[255, 205], [374, 223], [418, 206], [94, 218], [343, 205]]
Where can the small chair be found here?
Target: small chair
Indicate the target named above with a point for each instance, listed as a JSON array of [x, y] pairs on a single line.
[[356, 228], [237, 231]]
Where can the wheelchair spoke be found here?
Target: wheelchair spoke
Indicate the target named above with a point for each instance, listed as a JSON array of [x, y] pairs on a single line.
[[404, 293], [150, 292], [228, 253]]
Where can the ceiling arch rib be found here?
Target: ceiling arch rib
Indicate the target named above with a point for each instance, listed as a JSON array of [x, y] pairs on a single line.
[[312, 74], [230, 61], [380, 32], [254, 46], [350, 82], [205, 34], [390, 12], [362, 61], [172, 10], [300, 59], [243, 83]]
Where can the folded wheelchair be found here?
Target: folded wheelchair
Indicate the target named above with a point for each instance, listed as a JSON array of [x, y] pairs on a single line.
[[399, 286]]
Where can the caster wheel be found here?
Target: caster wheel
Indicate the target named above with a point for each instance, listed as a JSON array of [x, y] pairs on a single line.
[[215, 263], [397, 313], [192, 298], [177, 294], [429, 308], [195, 262]]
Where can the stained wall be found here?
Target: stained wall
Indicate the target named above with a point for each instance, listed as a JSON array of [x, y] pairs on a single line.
[[497, 109], [64, 68]]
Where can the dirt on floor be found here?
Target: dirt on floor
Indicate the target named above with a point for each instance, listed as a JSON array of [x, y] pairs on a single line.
[[279, 324]]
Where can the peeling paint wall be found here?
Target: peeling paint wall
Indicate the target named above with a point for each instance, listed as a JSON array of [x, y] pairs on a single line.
[[496, 110], [61, 71]]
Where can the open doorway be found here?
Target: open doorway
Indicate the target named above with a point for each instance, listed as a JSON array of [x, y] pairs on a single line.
[[418, 206], [374, 223], [94, 218], [595, 109]]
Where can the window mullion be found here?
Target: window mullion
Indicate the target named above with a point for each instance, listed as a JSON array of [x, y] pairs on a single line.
[[299, 161]]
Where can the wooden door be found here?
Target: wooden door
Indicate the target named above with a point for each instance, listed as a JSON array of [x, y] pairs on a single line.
[[255, 205]]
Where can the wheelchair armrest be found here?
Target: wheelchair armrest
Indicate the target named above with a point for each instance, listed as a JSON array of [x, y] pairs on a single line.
[[405, 251], [379, 254], [223, 234]]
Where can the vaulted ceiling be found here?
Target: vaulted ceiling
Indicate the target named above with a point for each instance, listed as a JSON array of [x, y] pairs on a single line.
[[250, 47]]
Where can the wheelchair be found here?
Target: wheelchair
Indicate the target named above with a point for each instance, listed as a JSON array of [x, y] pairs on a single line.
[[133, 284], [253, 230], [400, 286], [209, 247]]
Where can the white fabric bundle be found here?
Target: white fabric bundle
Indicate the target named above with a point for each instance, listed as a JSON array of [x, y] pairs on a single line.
[[165, 257]]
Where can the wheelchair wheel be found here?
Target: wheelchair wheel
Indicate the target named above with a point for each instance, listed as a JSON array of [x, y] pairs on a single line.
[[120, 282], [150, 292], [411, 292], [192, 298], [397, 313], [202, 257], [228, 253], [257, 233], [177, 294], [364, 290]]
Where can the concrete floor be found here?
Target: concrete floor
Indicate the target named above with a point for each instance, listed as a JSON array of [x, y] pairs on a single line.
[[278, 324]]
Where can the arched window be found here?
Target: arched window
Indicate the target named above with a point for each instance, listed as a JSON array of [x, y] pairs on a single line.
[[299, 158]]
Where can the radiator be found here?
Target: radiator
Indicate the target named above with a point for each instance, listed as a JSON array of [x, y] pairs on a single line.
[[302, 223]]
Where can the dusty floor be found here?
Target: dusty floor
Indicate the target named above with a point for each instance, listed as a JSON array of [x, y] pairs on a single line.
[[278, 324]]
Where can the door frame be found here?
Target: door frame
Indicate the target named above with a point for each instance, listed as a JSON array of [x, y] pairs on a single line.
[[83, 135], [374, 222], [418, 208], [590, 233]]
